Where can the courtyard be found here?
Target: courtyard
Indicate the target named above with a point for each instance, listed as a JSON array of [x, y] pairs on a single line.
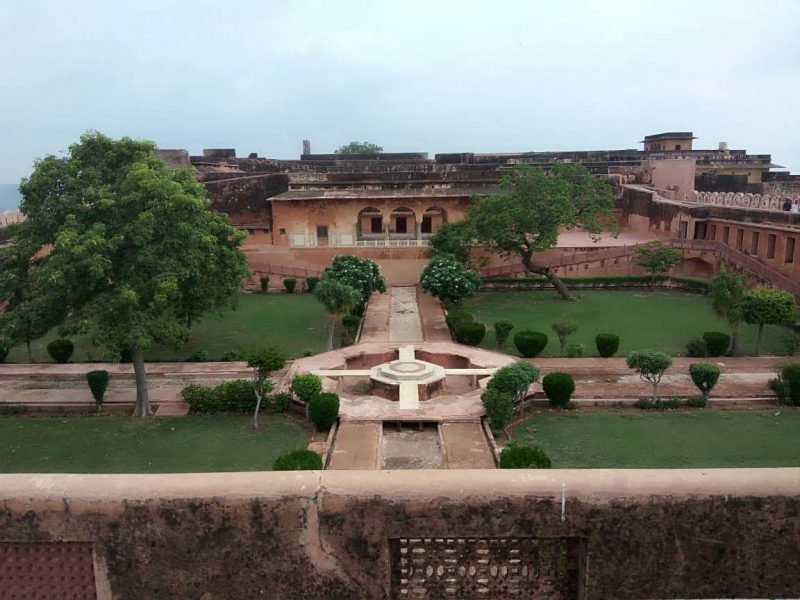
[[659, 319], [665, 440], [106, 444]]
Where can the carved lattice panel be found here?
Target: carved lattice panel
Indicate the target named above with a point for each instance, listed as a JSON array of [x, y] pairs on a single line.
[[483, 568]]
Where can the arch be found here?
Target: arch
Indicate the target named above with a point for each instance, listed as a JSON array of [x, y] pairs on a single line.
[[432, 219], [369, 224], [694, 267], [402, 223]]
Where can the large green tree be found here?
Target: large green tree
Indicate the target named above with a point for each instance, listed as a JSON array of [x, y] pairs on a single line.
[[361, 274], [727, 291], [656, 259], [337, 298], [359, 148], [449, 280], [767, 305], [128, 247], [535, 206]]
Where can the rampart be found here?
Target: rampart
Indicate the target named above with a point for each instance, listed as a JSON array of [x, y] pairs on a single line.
[[599, 534]]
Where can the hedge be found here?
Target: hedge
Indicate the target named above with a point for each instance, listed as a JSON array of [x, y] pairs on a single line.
[[470, 333], [558, 387], [289, 283], [520, 456], [530, 343], [697, 285], [237, 396], [323, 410], [717, 342], [607, 344], [298, 460]]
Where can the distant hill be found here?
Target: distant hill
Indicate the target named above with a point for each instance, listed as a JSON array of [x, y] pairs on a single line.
[[9, 196]]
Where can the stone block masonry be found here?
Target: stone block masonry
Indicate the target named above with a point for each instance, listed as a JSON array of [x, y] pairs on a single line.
[[599, 534]]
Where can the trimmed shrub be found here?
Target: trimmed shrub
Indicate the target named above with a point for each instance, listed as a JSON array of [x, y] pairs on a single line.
[[514, 379], [574, 350], [704, 376], [60, 350], [199, 356], [558, 387], [305, 386], [607, 344], [502, 329], [530, 343], [520, 456], [237, 396], [660, 404], [281, 401], [717, 342], [563, 328], [790, 377], [470, 333], [307, 353], [696, 348], [697, 402], [98, 384], [454, 317], [311, 283], [8, 409], [298, 460], [3, 351], [289, 283], [323, 410], [232, 356], [264, 283], [497, 404]]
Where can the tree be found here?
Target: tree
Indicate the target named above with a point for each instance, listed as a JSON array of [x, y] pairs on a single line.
[[563, 328], [727, 293], [705, 377], [337, 299], [535, 206], [263, 360], [359, 148], [455, 239], [656, 259], [767, 305], [650, 365], [361, 274], [514, 379], [114, 238], [449, 280]]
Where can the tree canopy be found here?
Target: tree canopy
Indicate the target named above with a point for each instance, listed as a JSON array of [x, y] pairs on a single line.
[[361, 274], [650, 364], [359, 148], [767, 305], [337, 298], [124, 248], [656, 258], [529, 213], [449, 280], [727, 292]]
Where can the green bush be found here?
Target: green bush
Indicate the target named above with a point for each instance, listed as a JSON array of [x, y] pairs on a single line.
[[502, 329], [717, 342], [236, 396], [574, 350], [790, 380], [514, 379], [289, 283], [455, 317], [281, 401], [98, 384], [3, 351], [298, 460], [232, 356], [497, 404], [311, 283], [470, 333], [704, 376], [697, 348], [696, 285], [697, 402], [199, 356], [520, 456], [790, 341], [350, 324], [530, 343], [305, 386], [323, 410], [558, 387], [307, 353], [607, 344], [60, 350], [660, 404], [9, 409], [264, 283]]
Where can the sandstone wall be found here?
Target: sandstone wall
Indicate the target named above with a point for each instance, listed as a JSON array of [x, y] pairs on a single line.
[[620, 534]]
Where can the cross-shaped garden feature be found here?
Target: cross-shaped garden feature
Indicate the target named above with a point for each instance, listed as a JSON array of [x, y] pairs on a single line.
[[407, 374]]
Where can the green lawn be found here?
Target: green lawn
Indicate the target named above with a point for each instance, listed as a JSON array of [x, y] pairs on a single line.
[[294, 322], [107, 444], [691, 439], [659, 319]]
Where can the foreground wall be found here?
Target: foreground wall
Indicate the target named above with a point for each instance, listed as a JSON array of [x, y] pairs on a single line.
[[621, 534]]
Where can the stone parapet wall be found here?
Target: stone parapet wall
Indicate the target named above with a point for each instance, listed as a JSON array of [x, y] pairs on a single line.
[[600, 534]]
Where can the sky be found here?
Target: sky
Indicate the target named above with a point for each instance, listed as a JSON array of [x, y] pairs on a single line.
[[428, 76]]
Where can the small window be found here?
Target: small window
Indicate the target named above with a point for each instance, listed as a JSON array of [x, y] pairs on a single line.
[[771, 245], [677, 146], [427, 225], [712, 232], [739, 239], [726, 234], [282, 231], [789, 255], [754, 243], [376, 225]]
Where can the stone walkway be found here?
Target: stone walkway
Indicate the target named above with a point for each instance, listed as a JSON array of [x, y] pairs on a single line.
[[356, 446], [466, 446], [404, 321]]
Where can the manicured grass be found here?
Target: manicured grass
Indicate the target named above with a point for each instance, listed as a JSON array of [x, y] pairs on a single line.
[[153, 445], [686, 439], [294, 322], [659, 319]]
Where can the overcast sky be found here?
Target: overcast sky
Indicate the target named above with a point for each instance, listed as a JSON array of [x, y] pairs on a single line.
[[429, 76]]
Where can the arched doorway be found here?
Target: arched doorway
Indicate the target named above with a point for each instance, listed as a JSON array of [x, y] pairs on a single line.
[[432, 220], [402, 223], [370, 224]]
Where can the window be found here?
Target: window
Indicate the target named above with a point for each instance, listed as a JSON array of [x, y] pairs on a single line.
[[282, 231], [771, 245], [322, 231], [789, 255], [754, 243], [712, 232], [677, 146], [376, 225], [683, 227], [726, 233], [739, 239], [401, 225], [427, 225]]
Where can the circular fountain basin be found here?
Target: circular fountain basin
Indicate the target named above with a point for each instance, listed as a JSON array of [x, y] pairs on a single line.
[[387, 377]]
